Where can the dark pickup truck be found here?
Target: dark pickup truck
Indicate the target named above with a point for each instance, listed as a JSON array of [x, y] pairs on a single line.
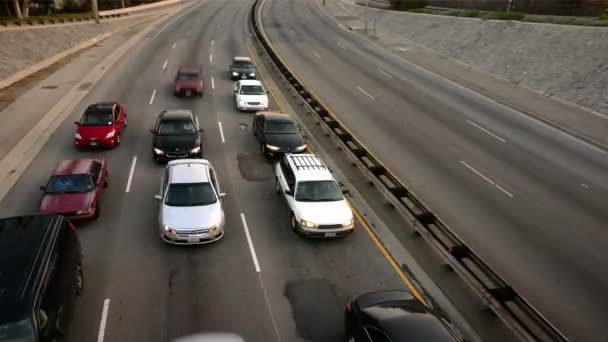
[[242, 68]]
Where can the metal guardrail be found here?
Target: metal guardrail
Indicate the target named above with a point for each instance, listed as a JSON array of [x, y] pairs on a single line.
[[514, 311], [50, 21]]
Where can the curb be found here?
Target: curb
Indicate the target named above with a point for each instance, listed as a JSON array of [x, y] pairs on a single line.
[[23, 153], [18, 76]]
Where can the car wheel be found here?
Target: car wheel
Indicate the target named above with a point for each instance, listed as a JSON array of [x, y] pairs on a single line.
[[294, 224], [277, 186], [79, 280], [125, 122], [105, 182], [263, 149], [118, 140], [97, 211]]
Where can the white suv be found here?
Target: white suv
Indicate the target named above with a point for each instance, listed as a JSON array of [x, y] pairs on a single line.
[[191, 203], [318, 208], [250, 95]]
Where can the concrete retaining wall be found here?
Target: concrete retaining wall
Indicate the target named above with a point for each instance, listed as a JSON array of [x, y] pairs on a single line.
[[569, 62]]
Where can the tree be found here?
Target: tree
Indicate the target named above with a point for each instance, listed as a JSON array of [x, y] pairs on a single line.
[[122, 4], [26, 8]]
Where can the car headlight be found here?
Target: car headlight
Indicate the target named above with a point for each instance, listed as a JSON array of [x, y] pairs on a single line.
[[195, 150], [168, 229], [158, 151], [212, 229], [301, 148], [234, 73], [77, 136], [272, 147], [82, 212], [241, 102], [111, 134], [252, 74], [349, 222], [307, 224]]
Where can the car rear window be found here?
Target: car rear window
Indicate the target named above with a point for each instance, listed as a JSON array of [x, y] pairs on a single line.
[[190, 194], [96, 118], [62, 184]]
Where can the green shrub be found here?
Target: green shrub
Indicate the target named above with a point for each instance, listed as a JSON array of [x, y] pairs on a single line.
[[408, 4], [508, 15], [470, 13], [604, 16]]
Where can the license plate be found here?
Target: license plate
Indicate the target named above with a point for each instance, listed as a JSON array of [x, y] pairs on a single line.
[[243, 76], [193, 240], [332, 234], [188, 92], [93, 143]]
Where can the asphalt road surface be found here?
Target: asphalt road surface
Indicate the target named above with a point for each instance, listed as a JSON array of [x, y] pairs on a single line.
[[152, 291], [529, 199]]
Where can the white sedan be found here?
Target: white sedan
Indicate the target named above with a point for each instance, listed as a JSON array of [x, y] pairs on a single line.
[[250, 95]]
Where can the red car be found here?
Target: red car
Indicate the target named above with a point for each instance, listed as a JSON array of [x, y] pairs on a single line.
[[74, 188], [101, 125], [189, 81]]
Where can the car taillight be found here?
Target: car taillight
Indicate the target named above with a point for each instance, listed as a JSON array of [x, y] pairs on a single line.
[[349, 307], [71, 225]]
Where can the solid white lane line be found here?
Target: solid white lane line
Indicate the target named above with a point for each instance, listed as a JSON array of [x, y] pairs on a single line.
[[104, 318], [486, 131], [585, 185], [503, 190], [152, 97], [316, 54], [402, 49], [342, 46], [478, 173], [221, 132], [165, 65], [131, 174], [173, 47], [212, 83], [385, 73], [253, 255], [210, 58], [212, 42], [366, 93]]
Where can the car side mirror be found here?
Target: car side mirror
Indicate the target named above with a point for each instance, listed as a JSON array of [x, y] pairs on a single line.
[[43, 188], [288, 192], [200, 130], [158, 197], [345, 192], [152, 131], [77, 123], [222, 194]]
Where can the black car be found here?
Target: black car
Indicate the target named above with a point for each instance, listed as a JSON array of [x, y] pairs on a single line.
[[242, 68], [40, 277], [277, 134], [176, 135], [391, 316]]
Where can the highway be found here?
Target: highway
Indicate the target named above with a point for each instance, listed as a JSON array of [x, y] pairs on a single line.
[[137, 288], [529, 199]]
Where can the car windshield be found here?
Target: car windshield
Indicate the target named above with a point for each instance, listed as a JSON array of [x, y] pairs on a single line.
[[281, 127], [190, 194], [252, 90], [21, 331], [243, 64], [96, 118], [63, 184], [176, 127], [187, 76], [318, 191]]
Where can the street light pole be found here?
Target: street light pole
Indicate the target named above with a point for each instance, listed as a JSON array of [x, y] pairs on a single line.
[[95, 10], [509, 8]]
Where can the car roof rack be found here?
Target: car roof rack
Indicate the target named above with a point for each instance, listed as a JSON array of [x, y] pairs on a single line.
[[307, 162]]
